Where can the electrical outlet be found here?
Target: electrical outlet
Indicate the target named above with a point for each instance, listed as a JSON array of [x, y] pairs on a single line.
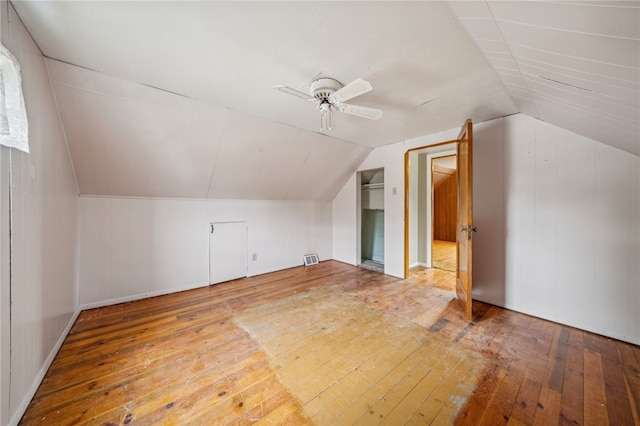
[[254, 256]]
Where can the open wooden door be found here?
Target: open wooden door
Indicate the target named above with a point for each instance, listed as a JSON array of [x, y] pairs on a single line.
[[465, 217]]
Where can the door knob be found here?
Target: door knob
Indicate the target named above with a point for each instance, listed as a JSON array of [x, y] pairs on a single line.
[[469, 229]]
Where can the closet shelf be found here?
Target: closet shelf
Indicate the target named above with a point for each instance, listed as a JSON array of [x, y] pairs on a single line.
[[372, 185]]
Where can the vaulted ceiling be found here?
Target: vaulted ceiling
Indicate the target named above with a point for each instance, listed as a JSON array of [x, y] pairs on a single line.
[[574, 64], [176, 98]]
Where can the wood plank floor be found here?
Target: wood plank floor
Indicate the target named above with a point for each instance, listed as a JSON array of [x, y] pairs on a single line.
[[444, 255], [196, 357]]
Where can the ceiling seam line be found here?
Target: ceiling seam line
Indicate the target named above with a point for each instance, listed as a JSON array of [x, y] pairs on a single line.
[[563, 30], [563, 54], [215, 161], [475, 42], [504, 40], [286, 192], [33, 39], [573, 69], [604, 98], [195, 100], [71, 63]]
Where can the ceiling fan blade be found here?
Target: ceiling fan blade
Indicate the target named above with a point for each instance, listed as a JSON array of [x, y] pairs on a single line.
[[294, 92], [356, 88], [360, 111]]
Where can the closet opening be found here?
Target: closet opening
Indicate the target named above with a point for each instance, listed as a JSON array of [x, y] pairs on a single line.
[[372, 219]]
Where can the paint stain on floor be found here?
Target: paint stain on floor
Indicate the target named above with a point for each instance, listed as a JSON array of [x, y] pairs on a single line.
[[349, 364]]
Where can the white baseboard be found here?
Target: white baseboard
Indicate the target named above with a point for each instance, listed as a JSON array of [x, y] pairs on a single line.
[[125, 299], [15, 419], [614, 334]]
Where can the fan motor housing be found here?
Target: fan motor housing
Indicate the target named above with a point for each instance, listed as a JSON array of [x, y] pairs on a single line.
[[324, 87]]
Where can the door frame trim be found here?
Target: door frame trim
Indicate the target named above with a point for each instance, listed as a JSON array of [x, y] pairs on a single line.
[[406, 197]]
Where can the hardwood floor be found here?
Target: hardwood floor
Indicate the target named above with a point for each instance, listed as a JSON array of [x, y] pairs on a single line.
[[444, 255], [390, 351]]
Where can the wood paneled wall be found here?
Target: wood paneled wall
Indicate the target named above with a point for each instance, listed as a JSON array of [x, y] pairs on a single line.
[[444, 204], [558, 226], [44, 223], [135, 247]]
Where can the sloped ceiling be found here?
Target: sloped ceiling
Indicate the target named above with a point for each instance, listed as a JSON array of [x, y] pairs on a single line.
[[128, 139], [176, 99], [573, 64]]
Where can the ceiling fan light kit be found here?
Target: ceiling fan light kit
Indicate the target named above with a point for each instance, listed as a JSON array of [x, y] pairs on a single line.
[[324, 87], [329, 95]]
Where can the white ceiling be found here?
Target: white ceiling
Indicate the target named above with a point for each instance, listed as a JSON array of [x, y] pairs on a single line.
[[574, 64], [127, 139], [176, 99]]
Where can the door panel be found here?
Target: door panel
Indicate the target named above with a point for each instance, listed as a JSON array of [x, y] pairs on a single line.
[[228, 251], [465, 227]]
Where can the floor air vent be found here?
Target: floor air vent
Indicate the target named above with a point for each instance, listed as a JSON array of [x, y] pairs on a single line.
[[311, 259]]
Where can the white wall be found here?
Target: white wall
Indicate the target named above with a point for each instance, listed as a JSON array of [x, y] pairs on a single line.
[[44, 212], [137, 247], [391, 158], [559, 226], [373, 198], [5, 288], [558, 219], [344, 214]]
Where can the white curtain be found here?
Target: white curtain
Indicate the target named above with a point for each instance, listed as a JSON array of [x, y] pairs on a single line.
[[14, 127]]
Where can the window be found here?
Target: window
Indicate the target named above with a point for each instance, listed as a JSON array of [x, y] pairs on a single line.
[[14, 127]]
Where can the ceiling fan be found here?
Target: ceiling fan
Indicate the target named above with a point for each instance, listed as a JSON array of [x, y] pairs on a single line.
[[329, 95]]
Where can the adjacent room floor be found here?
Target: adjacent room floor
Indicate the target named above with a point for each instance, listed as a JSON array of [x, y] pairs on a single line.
[[332, 344], [444, 255]]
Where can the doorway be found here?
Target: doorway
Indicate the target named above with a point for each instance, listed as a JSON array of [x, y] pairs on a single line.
[[372, 219], [444, 193], [462, 147], [431, 182]]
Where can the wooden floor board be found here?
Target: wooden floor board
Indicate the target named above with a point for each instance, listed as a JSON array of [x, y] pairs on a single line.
[[501, 405], [524, 408], [619, 408], [572, 405], [595, 399], [188, 358], [548, 407]]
